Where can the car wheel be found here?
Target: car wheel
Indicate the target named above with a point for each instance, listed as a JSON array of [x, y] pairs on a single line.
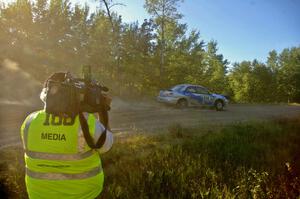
[[219, 105], [182, 103]]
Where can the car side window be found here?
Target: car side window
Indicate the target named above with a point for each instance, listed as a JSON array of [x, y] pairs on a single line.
[[201, 90], [191, 89]]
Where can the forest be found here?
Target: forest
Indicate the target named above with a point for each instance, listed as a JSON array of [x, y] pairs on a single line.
[[135, 59]]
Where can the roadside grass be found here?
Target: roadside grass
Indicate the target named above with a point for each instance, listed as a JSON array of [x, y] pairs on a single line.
[[242, 160], [294, 104], [12, 184]]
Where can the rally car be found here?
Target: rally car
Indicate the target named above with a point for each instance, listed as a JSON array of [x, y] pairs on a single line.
[[185, 95]]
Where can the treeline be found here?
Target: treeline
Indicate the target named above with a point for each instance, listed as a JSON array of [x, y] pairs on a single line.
[[278, 80], [137, 59]]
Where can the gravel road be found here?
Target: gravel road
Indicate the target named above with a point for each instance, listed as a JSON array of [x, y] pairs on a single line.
[[146, 117]]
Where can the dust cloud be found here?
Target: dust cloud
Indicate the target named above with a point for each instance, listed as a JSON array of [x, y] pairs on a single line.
[[17, 86]]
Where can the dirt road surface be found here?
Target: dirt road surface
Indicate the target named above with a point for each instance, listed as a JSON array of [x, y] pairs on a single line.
[[149, 117]]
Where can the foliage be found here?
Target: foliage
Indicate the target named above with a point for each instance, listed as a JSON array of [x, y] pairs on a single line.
[[166, 17], [56, 35], [276, 81], [137, 59]]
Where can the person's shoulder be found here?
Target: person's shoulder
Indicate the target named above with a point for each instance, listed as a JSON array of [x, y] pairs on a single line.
[[38, 112], [30, 117], [35, 114]]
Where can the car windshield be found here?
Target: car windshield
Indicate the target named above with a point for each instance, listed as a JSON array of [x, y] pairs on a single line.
[[177, 88]]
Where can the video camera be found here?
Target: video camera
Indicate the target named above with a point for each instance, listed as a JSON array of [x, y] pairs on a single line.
[[70, 96]]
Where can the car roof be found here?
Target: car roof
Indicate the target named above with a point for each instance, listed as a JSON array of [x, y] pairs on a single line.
[[186, 85]]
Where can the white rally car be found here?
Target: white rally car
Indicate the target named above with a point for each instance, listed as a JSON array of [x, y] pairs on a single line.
[[184, 95]]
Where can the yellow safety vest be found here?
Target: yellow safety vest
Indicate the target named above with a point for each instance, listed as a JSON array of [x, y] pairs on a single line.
[[59, 163]]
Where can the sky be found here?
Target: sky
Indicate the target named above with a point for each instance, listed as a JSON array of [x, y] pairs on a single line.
[[244, 29]]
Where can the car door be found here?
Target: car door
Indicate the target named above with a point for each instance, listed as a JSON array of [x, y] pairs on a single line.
[[194, 97], [208, 99]]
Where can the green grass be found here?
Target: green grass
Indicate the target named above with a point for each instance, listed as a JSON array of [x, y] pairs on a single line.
[[12, 184], [245, 160]]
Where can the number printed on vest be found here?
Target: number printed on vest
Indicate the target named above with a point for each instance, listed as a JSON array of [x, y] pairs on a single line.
[[57, 120]]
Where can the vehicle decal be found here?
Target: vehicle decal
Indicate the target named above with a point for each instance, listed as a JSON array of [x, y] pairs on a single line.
[[208, 99]]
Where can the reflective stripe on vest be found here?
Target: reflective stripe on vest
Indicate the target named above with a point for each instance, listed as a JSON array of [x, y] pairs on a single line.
[[58, 156], [63, 176]]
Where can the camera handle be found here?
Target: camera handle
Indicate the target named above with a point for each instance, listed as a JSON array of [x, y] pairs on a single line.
[[86, 133]]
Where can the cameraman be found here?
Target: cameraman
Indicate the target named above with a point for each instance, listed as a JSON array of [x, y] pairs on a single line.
[[59, 160]]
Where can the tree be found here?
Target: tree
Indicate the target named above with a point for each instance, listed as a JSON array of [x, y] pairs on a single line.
[[274, 67], [215, 69], [78, 43], [17, 20], [116, 29], [261, 85], [100, 48], [252, 82], [289, 74], [186, 60], [272, 61], [164, 12], [240, 81]]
